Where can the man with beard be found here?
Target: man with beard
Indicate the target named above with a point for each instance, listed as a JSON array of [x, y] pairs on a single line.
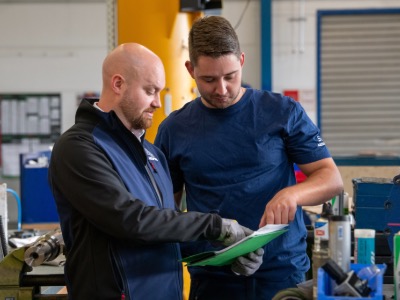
[[114, 193]]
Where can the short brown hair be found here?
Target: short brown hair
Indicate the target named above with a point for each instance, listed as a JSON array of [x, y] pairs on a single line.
[[212, 36]]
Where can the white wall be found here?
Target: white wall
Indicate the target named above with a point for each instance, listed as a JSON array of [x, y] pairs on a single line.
[[249, 33], [53, 48]]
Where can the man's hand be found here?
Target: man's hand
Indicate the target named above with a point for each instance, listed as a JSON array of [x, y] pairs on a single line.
[[322, 183], [281, 209], [231, 232], [247, 265]]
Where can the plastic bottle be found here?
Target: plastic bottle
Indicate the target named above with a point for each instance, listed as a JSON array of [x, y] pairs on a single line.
[[340, 240], [364, 246]]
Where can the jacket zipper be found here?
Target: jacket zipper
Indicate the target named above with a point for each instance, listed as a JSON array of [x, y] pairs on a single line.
[[154, 184], [148, 171], [118, 266]]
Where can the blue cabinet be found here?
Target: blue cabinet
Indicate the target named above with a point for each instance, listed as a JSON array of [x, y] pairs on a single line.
[[377, 205], [37, 202]]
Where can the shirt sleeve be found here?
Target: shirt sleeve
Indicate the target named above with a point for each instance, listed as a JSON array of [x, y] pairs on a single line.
[[303, 139]]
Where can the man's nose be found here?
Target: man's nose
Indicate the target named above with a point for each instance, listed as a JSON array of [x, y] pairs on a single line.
[[156, 101], [221, 87]]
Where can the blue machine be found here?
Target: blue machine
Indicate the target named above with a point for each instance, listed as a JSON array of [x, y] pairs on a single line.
[[377, 205]]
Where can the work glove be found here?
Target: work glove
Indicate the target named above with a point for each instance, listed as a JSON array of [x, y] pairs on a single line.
[[248, 264], [231, 232]]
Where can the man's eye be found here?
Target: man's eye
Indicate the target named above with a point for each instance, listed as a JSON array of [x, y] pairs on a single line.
[[150, 92]]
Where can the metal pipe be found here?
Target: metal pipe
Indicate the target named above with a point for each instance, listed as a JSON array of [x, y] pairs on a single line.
[[3, 241]]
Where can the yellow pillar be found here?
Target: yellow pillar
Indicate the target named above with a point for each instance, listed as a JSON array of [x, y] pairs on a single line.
[[158, 25]]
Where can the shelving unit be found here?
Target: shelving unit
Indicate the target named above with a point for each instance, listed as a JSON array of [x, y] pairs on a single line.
[[29, 123]]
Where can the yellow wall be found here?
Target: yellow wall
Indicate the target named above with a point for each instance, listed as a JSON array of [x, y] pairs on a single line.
[[158, 25]]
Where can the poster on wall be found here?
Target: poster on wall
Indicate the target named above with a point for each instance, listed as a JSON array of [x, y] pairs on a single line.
[[307, 99]]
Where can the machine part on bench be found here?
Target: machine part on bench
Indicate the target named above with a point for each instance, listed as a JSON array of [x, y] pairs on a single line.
[[46, 248]]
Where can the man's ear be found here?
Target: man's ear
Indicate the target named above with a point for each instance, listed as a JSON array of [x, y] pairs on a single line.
[[241, 59], [117, 82], [190, 68]]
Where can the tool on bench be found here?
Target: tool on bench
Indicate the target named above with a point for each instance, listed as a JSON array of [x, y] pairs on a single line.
[[18, 282]]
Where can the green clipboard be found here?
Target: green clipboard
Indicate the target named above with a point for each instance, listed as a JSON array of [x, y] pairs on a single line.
[[249, 244]]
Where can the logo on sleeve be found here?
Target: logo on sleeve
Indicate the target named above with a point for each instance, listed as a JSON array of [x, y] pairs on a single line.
[[321, 142]]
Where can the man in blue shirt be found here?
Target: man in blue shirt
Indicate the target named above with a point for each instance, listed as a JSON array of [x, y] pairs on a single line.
[[233, 150]]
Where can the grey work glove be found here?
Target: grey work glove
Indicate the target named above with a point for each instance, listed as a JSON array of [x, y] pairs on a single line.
[[247, 265], [231, 232]]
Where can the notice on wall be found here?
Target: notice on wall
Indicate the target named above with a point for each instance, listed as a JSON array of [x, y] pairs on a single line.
[[307, 99]]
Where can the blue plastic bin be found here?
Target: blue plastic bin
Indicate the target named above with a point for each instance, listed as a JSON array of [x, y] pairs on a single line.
[[325, 289]]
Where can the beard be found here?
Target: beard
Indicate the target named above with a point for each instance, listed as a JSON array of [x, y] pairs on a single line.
[[216, 101], [131, 113], [141, 122]]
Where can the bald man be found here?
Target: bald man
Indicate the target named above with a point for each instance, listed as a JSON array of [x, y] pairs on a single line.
[[114, 193]]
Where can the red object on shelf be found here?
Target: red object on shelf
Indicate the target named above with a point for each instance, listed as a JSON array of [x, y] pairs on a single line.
[[300, 176]]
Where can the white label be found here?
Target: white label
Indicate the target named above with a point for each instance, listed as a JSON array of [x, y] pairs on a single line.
[[321, 230]]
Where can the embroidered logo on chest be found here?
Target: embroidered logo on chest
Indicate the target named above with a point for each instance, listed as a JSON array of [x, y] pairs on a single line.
[[150, 155]]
